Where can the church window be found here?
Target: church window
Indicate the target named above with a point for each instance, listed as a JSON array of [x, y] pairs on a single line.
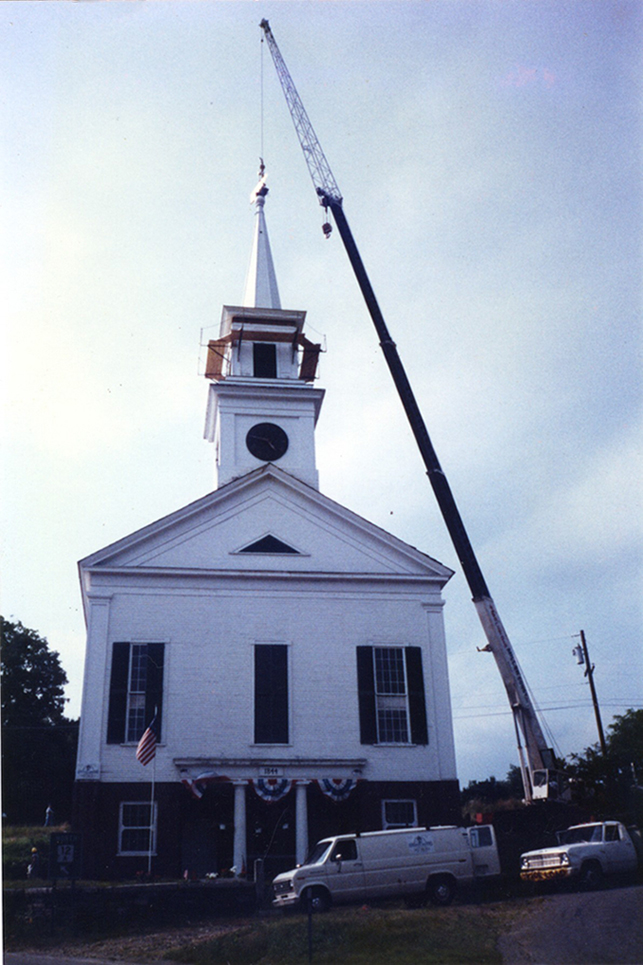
[[399, 814], [135, 691], [137, 827], [392, 704], [390, 696], [264, 360], [271, 694]]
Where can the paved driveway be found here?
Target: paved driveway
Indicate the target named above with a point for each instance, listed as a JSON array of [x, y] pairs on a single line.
[[584, 928], [31, 958]]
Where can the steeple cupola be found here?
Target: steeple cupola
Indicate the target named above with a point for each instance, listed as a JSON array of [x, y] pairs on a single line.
[[262, 405]]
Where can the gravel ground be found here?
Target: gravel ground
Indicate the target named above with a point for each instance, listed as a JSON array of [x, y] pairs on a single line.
[[139, 948]]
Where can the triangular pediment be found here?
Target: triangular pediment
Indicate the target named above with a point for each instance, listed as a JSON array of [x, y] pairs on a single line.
[[266, 521]]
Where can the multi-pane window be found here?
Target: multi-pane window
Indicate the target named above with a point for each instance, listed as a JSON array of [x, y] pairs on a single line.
[[392, 704], [136, 722], [271, 694], [135, 690], [137, 828], [399, 814], [390, 695]]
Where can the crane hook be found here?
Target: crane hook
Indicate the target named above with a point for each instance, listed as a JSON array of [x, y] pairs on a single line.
[[327, 228]]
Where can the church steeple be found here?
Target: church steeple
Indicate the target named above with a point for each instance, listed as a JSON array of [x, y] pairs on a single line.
[[262, 404], [261, 281]]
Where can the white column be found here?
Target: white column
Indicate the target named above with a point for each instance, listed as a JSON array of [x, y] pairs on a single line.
[[301, 821], [239, 847]]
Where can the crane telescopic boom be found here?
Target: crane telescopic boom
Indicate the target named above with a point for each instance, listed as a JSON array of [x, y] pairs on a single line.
[[539, 755]]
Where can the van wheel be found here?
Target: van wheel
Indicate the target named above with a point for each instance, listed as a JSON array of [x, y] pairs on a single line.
[[441, 890], [319, 900], [591, 875]]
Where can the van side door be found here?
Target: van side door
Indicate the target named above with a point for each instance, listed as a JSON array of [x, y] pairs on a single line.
[[484, 850], [345, 871]]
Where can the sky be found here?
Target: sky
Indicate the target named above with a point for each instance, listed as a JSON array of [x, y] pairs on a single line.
[[489, 155]]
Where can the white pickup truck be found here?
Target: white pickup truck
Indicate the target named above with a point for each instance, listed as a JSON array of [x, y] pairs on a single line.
[[585, 852]]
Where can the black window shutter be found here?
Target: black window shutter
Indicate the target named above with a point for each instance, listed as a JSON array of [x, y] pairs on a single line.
[[154, 687], [118, 694], [271, 694], [417, 701], [366, 696]]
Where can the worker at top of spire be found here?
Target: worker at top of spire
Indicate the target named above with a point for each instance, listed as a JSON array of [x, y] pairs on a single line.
[[261, 289]]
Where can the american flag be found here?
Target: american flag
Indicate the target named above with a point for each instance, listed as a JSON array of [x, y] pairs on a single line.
[[146, 750]]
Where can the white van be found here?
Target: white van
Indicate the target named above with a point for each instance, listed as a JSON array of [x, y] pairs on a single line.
[[413, 863]]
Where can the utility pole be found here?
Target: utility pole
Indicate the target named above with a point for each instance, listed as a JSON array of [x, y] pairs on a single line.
[[583, 657]]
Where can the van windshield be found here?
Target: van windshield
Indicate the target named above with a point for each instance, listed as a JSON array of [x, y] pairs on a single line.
[[318, 853]]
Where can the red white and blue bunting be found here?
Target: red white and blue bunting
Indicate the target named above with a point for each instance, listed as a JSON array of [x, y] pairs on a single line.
[[336, 788], [269, 789], [272, 788], [196, 785]]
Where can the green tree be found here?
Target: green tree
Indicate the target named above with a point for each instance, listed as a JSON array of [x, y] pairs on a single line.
[[612, 783], [38, 741], [32, 678], [487, 795]]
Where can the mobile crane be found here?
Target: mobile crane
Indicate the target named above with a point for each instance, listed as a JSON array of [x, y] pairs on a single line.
[[537, 766]]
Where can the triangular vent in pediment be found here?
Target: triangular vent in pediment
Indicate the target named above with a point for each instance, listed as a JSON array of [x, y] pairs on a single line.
[[269, 544]]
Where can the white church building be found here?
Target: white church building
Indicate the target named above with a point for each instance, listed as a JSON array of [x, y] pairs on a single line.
[[292, 653]]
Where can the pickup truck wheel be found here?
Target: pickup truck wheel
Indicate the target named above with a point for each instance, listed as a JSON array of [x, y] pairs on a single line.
[[591, 875], [441, 890], [319, 899]]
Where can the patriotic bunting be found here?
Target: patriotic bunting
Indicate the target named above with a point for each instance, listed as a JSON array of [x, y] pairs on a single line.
[[272, 788], [196, 785], [336, 788]]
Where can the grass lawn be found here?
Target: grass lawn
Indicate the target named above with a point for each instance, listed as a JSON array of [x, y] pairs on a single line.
[[361, 936], [386, 934], [17, 843]]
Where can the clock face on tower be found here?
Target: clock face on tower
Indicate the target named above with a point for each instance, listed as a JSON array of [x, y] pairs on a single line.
[[267, 442]]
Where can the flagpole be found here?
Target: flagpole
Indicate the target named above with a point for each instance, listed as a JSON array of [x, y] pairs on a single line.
[[146, 752], [151, 834]]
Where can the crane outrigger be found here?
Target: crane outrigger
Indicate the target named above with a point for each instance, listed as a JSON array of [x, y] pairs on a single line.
[[537, 762]]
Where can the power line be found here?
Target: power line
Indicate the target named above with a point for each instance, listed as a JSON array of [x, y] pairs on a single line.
[[576, 706]]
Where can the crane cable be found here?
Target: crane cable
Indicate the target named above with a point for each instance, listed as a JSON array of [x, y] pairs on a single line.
[[261, 98]]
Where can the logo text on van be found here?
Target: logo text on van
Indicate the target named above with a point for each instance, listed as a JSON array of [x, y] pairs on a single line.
[[421, 844]]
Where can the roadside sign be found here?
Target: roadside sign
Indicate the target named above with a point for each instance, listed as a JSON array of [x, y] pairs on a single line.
[[65, 854]]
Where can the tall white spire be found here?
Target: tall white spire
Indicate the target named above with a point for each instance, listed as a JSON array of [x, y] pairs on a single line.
[[261, 281]]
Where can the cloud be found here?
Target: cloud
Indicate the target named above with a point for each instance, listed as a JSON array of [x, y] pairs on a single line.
[[596, 513]]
